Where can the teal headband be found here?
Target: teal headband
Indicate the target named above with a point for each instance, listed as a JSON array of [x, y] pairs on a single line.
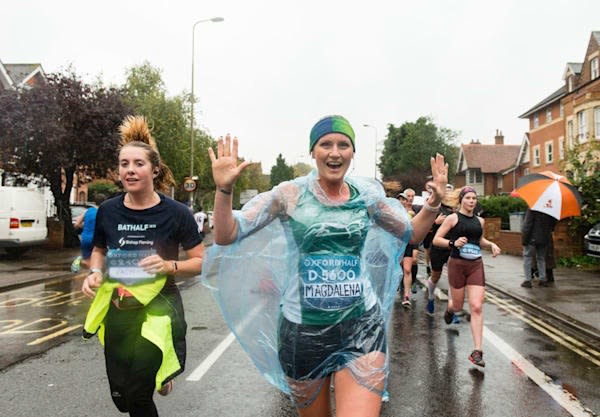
[[331, 124]]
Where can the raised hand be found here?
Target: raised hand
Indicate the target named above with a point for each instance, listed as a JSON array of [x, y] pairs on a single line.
[[437, 186], [225, 168]]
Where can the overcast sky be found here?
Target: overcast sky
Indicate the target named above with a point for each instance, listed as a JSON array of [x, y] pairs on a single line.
[[274, 67]]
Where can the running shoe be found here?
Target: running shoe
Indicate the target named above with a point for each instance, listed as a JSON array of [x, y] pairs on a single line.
[[476, 357], [166, 389], [430, 307], [406, 301], [413, 288], [448, 316], [76, 264], [451, 318]]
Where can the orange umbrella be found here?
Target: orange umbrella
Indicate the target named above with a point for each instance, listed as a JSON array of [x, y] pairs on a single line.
[[550, 193]]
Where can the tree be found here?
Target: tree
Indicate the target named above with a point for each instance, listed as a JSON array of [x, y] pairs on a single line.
[[59, 129], [281, 171], [301, 169], [254, 179], [582, 167], [408, 149], [169, 119]]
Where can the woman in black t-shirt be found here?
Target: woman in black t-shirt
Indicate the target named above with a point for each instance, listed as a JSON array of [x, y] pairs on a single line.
[[137, 305], [462, 233]]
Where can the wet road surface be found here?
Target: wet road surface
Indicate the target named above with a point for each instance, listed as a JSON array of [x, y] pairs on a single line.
[[531, 370]]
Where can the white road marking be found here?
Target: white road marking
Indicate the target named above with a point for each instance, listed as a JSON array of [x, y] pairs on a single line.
[[565, 399], [210, 360]]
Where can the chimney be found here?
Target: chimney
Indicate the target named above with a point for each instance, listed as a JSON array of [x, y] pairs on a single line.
[[499, 138], [475, 142]]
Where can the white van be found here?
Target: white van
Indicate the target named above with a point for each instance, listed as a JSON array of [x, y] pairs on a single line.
[[22, 219]]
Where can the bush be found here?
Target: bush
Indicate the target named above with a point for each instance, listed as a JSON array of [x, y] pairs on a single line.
[[106, 187], [584, 262], [501, 206]]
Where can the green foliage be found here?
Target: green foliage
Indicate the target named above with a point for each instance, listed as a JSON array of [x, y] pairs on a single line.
[[408, 149], [582, 165], [301, 169], [502, 206], [579, 261], [281, 171], [106, 187]]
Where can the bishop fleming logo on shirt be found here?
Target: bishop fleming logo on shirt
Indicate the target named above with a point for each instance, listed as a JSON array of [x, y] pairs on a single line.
[[135, 242], [331, 281]]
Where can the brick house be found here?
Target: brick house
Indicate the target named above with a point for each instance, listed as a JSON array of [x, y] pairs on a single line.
[[569, 115], [491, 169]]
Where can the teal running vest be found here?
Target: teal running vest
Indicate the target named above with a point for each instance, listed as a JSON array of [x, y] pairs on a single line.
[[331, 284]]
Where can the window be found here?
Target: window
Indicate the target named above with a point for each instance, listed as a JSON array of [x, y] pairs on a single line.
[[597, 122], [499, 181], [594, 70], [549, 152], [536, 156], [474, 176], [526, 171], [548, 115], [570, 83], [582, 124], [561, 111], [570, 134], [536, 121], [561, 148], [526, 153]]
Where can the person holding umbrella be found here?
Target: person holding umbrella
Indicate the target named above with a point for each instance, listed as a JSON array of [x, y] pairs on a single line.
[[550, 197], [536, 235]]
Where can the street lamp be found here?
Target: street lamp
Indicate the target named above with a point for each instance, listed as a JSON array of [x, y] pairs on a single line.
[[213, 19], [375, 169]]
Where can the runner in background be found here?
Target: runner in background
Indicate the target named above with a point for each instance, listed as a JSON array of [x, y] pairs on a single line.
[[462, 233]]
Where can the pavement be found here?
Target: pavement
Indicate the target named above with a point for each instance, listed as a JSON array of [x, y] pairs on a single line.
[[572, 298]]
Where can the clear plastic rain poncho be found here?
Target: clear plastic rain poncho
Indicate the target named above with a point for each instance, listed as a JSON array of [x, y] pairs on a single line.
[[309, 284]]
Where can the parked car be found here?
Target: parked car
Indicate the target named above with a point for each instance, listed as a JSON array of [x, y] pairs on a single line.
[[22, 219], [591, 241]]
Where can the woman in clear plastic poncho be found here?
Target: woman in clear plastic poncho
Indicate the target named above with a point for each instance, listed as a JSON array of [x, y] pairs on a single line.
[[306, 273]]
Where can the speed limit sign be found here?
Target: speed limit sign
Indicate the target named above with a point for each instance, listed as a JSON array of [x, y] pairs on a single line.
[[189, 185]]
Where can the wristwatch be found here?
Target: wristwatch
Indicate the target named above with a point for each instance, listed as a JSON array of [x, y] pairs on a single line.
[[92, 270]]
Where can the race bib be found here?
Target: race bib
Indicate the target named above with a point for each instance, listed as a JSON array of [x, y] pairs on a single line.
[[122, 266], [331, 282], [470, 251]]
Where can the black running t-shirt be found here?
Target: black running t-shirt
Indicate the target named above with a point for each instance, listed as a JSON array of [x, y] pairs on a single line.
[[161, 228]]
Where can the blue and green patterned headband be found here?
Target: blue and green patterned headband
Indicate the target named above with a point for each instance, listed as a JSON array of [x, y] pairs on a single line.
[[331, 124]]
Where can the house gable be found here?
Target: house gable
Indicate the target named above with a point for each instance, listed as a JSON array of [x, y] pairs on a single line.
[[5, 81], [25, 75]]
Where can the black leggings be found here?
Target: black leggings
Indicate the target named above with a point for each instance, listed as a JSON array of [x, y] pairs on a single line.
[[131, 362]]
